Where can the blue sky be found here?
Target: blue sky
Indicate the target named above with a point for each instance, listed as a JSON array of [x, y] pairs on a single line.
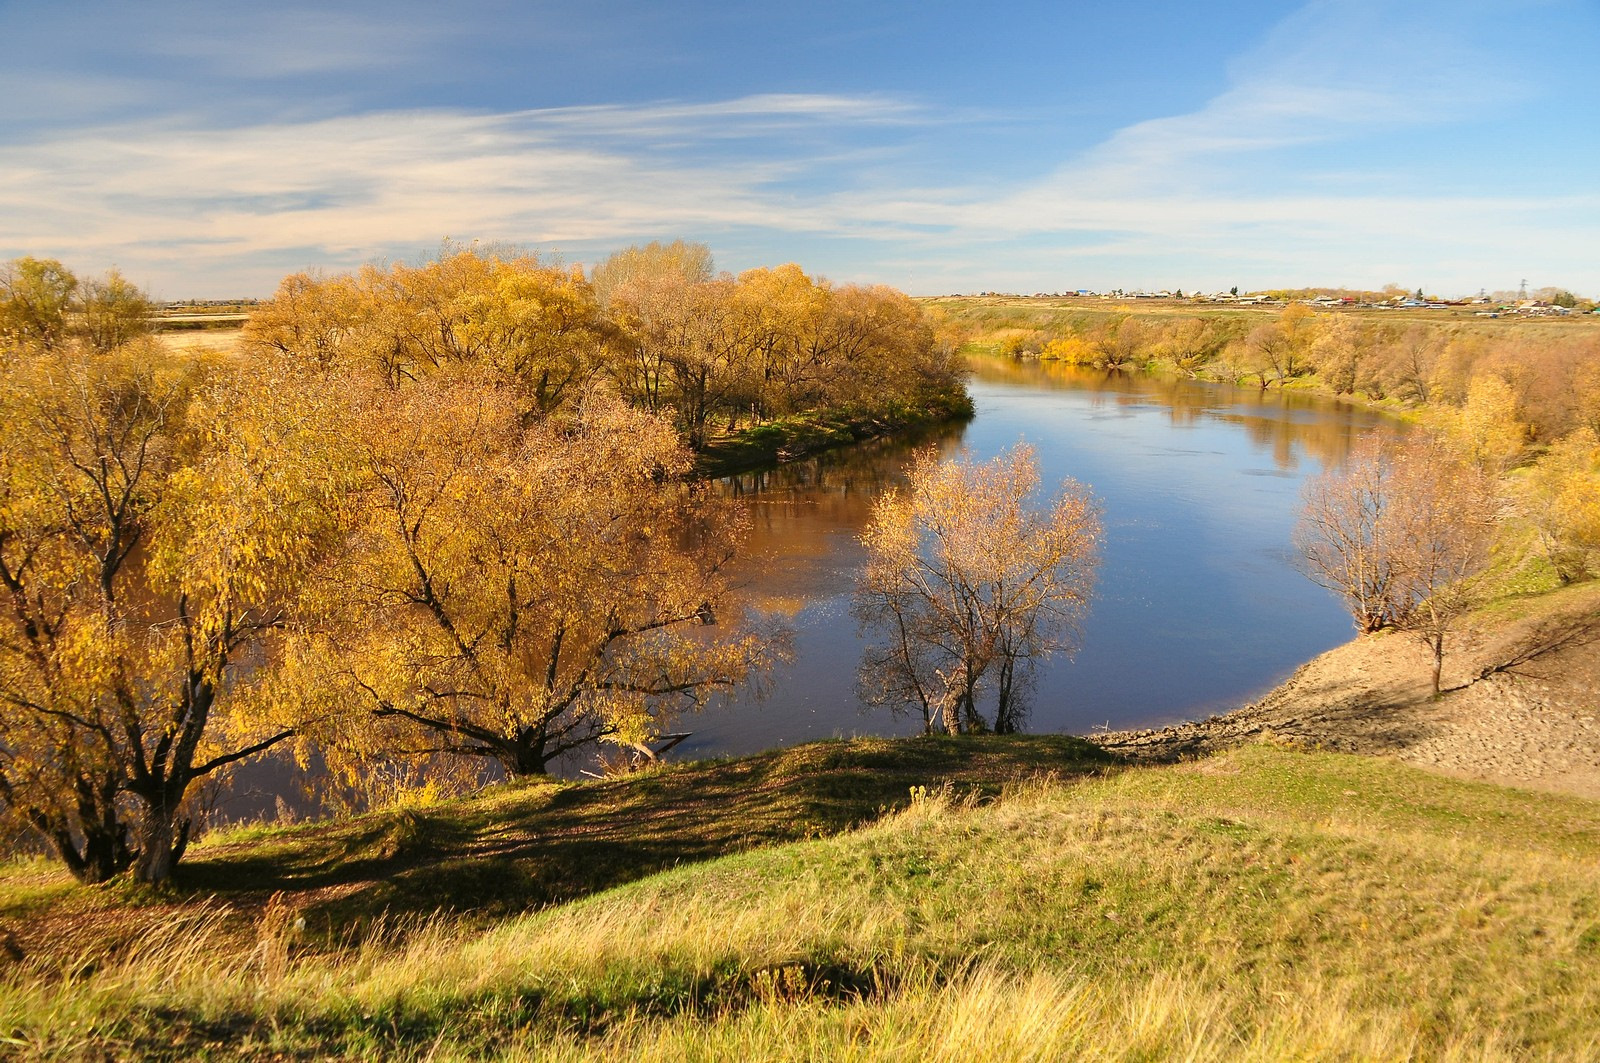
[[208, 149]]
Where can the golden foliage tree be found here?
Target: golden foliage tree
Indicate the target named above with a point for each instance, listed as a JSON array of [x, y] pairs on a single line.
[[153, 523], [44, 306], [35, 299], [1560, 498], [516, 591], [1409, 361], [114, 311], [968, 586], [682, 262], [771, 343], [1486, 430], [534, 328], [1276, 349]]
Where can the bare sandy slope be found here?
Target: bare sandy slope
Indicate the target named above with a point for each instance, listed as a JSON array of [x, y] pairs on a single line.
[[1522, 704]]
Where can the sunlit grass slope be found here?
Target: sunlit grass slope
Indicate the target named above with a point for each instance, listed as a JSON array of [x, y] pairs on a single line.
[[1264, 904]]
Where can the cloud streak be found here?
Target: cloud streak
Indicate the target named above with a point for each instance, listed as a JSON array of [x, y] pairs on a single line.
[[353, 187]]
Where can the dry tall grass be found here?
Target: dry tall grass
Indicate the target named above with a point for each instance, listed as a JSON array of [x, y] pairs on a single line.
[[1265, 905]]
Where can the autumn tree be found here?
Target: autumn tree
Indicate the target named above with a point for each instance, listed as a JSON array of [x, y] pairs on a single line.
[[113, 311], [1123, 342], [715, 352], [36, 297], [1190, 343], [1560, 499], [517, 591], [1277, 348], [1345, 534], [650, 293], [687, 263], [153, 522], [535, 328], [1398, 531], [967, 586], [784, 316], [705, 358], [1486, 430], [1408, 362], [1338, 353], [322, 322]]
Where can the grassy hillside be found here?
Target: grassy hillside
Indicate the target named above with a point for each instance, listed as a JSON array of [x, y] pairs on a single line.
[[1265, 904]]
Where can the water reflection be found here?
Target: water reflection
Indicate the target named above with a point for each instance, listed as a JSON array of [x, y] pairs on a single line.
[[1290, 425], [1199, 607], [805, 517]]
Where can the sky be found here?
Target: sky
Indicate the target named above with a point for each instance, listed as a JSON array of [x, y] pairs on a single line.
[[208, 150]]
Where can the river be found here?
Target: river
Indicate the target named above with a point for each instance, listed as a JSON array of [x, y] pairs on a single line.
[[1199, 606]]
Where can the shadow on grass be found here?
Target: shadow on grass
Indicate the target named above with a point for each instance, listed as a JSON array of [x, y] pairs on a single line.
[[525, 846]]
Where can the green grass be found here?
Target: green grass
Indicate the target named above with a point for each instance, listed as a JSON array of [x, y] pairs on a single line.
[[1262, 904], [788, 438]]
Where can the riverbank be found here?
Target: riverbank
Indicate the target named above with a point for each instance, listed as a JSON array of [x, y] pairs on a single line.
[[1522, 704], [792, 438]]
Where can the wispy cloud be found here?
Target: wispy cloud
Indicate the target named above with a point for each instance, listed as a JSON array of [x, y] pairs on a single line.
[[1226, 186], [1332, 72], [174, 197]]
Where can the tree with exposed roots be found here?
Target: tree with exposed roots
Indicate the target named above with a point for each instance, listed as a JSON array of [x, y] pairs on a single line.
[[1398, 531], [967, 587]]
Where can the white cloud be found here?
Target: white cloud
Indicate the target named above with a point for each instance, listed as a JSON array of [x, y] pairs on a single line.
[[174, 198]]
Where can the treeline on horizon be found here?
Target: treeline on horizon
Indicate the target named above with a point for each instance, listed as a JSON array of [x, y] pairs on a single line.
[[424, 518]]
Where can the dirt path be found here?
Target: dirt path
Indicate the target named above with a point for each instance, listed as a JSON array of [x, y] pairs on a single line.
[[1523, 706]]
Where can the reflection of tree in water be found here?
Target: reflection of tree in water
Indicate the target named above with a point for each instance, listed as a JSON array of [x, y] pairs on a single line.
[[810, 511], [805, 515], [865, 466], [1288, 425]]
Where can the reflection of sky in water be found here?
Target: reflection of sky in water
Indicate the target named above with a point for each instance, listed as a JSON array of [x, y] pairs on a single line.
[[1199, 605]]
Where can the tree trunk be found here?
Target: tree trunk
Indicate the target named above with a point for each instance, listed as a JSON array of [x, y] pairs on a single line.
[[1005, 713], [1437, 643], [98, 848], [161, 841], [950, 709], [524, 756], [969, 704]]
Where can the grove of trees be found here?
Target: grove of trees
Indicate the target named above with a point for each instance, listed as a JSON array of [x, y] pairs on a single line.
[[441, 512], [709, 353], [43, 305]]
